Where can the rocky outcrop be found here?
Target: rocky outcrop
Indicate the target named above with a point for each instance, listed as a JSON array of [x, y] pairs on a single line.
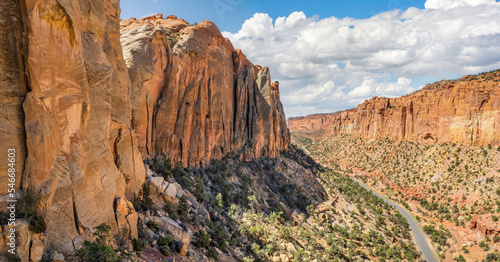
[[195, 97], [81, 115], [485, 225], [466, 112]]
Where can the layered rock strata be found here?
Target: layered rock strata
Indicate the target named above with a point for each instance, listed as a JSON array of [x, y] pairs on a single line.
[[465, 112]]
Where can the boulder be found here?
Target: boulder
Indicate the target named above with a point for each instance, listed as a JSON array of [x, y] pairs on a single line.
[[170, 192], [158, 185], [184, 250], [57, 257], [126, 217], [78, 242], [291, 248], [37, 249], [23, 239], [194, 203], [204, 213], [180, 191], [167, 224], [221, 257]]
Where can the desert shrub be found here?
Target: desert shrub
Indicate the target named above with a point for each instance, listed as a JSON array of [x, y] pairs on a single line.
[[28, 204], [143, 201], [161, 166], [181, 175], [165, 250], [201, 239], [165, 241], [37, 224], [200, 193], [172, 210], [166, 245], [299, 255], [183, 207], [153, 225], [219, 237], [173, 41], [98, 250], [310, 210], [284, 233], [496, 239], [122, 240], [485, 246], [233, 210], [211, 253], [492, 257], [137, 245]]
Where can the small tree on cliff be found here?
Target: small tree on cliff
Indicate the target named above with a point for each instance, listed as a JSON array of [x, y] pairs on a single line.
[[144, 201]]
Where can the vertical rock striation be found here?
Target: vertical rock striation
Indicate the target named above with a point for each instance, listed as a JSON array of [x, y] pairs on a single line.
[[13, 90], [195, 97], [81, 117], [82, 152]]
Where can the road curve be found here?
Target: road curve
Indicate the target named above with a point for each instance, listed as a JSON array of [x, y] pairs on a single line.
[[419, 235]]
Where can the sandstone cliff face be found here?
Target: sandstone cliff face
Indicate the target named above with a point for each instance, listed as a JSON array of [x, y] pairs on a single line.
[[466, 112], [195, 97], [13, 89], [81, 117], [69, 114], [81, 148]]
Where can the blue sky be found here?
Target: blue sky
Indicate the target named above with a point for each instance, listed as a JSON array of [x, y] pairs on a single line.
[[333, 55], [229, 15]]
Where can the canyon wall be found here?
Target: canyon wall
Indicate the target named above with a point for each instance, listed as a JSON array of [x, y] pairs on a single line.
[[82, 112], [195, 97], [465, 112], [81, 149]]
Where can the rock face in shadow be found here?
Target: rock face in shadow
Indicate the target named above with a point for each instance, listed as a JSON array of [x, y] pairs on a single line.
[[196, 98], [13, 90], [82, 118], [467, 112]]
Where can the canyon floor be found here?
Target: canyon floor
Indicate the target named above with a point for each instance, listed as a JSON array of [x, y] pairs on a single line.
[[452, 190], [287, 208]]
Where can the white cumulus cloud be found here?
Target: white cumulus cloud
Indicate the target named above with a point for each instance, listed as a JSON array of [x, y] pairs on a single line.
[[331, 64]]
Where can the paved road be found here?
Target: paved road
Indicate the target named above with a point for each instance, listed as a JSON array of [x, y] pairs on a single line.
[[419, 235]]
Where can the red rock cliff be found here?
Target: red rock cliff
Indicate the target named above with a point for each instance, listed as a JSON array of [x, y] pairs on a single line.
[[465, 111], [81, 118], [81, 149], [195, 97]]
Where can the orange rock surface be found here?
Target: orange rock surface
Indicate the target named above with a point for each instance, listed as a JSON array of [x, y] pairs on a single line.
[[82, 114], [466, 112], [196, 98], [82, 152]]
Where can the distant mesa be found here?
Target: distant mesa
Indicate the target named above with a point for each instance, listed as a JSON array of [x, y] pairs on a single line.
[[464, 111]]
